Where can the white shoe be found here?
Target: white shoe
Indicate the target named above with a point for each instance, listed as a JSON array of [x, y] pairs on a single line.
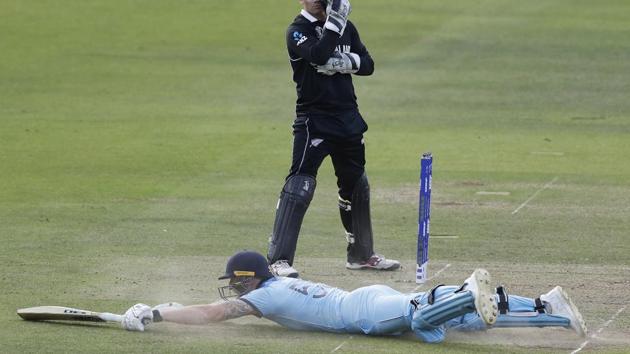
[[485, 302], [375, 262], [562, 305], [282, 268]]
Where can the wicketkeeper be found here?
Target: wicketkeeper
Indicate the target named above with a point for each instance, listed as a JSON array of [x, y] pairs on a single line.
[[325, 51], [372, 310]]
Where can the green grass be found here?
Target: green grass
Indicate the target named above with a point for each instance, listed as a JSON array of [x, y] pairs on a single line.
[[142, 142]]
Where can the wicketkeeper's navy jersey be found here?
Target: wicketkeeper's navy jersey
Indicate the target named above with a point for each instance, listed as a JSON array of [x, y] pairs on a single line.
[[308, 44]]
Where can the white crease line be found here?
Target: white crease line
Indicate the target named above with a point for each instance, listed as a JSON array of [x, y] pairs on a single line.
[[599, 331], [547, 185], [492, 193], [340, 345], [432, 277], [444, 236], [552, 153]]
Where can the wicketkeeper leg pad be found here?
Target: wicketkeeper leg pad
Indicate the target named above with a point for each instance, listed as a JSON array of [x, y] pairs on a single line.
[[362, 245], [292, 205]]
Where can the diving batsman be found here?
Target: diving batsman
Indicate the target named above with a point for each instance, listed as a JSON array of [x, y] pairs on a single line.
[[474, 305]]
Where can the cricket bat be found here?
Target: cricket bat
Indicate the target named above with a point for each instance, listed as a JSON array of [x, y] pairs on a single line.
[[61, 313]]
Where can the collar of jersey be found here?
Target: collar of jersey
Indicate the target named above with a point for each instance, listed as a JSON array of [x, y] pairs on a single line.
[[308, 16], [267, 282]]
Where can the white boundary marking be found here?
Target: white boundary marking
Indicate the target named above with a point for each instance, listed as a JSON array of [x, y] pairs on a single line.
[[433, 276], [547, 185], [600, 330], [492, 193], [341, 345], [552, 153]]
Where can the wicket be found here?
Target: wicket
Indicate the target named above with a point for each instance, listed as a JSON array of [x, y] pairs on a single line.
[[424, 214]]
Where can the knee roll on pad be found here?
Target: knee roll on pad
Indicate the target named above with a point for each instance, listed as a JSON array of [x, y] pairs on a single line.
[[301, 187], [443, 309]]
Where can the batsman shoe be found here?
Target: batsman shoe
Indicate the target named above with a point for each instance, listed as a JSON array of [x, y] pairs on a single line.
[[282, 268], [485, 302], [561, 305], [377, 262]]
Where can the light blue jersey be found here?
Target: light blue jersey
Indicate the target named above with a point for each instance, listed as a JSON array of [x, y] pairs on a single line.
[[300, 304], [381, 310]]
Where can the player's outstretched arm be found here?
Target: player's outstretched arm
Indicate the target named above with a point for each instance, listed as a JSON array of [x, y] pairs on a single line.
[[204, 314]]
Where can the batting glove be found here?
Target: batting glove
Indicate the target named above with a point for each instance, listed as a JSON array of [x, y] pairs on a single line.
[[138, 316]]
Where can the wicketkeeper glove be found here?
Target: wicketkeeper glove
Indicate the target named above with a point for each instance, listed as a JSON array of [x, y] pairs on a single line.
[[338, 12], [344, 63]]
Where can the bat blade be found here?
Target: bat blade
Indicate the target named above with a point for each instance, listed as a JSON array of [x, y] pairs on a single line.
[[61, 313]]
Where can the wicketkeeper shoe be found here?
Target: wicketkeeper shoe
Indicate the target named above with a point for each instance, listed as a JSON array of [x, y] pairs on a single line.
[[485, 302], [282, 268], [377, 262], [561, 305]]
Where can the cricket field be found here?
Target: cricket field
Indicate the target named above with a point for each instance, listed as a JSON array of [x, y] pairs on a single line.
[[143, 142]]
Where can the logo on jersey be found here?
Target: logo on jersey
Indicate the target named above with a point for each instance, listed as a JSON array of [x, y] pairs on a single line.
[[316, 142], [299, 37], [343, 48]]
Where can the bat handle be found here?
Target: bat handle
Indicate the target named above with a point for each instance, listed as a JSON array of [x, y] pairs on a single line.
[[111, 317]]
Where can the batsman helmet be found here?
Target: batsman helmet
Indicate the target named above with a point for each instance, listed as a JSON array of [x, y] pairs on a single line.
[[243, 268], [247, 264]]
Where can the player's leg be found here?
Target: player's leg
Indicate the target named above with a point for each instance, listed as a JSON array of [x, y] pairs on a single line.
[[348, 160], [553, 309], [444, 303], [295, 197]]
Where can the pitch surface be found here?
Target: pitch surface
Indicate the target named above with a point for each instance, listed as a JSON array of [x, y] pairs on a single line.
[[142, 143]]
